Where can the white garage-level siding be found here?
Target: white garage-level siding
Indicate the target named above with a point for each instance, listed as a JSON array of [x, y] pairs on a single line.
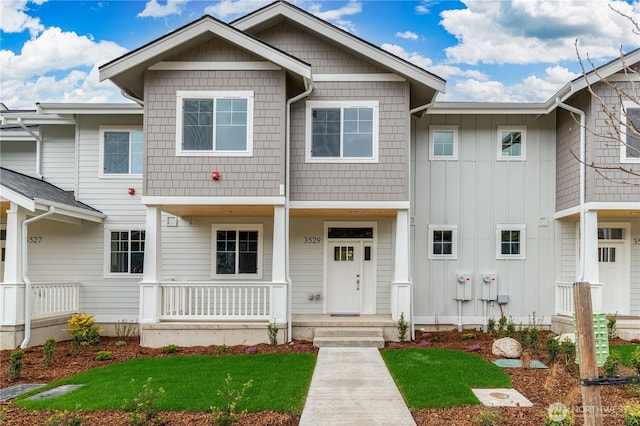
[[19, 156], [58, 156], [477, 192]]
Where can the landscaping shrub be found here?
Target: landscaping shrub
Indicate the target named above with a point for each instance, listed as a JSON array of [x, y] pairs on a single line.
[[272, 332], [553, 348], [48, 351], [170, 349], [104, 355], [559, 415], [142, 407], [227, 415], [403, 328], [611, 364], [487, 417], [83, 329], [635, 359], [631, 414], [15, 365]]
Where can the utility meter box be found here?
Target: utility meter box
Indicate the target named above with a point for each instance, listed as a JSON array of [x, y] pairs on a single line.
[[464, 286], [488, 286]]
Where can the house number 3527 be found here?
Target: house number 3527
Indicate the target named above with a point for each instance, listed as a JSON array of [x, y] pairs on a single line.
[[34, 240], [312, 240]]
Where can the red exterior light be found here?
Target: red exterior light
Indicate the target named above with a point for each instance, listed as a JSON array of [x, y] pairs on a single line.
[[132, 191], [215, 175]]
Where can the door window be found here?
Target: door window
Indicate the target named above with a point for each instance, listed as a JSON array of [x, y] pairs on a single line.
[[343, 254]]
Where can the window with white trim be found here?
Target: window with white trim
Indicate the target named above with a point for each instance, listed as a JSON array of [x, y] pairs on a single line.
[[510, 241], [443, 242], [214, 123], [630, 146], [125, 251], [512, 142], [121, 151], [342, 131], [443, 142], [237, 251]]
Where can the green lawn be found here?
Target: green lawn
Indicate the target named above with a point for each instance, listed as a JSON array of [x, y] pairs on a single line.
[[280, 383], [438, 378], [625, 352]]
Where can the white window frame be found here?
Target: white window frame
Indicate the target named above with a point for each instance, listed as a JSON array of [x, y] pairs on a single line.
[[311, 105], [443, 128], [181, 95], [107, 250], [623, 121], [523, 143], [104, 129], [523, 240], [237, 227], [454, 240]]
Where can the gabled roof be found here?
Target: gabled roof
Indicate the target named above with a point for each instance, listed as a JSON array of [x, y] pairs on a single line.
[[34, 194], [280, 10], [127, 72]]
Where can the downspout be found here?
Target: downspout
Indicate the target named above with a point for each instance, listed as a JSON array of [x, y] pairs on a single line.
[[131, 98], [413, 290], [583, 157], [38, 145], [25, 276], [309, 88]]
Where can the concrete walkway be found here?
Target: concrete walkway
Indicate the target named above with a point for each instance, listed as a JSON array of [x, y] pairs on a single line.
[[352, 386]]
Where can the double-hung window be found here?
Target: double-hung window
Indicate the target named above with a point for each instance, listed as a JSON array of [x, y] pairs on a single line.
[[121, 150], [443, 142], [630, 147], [443, 242], [237, 251], [344, 131], [214, 123], [510, 242], [512, 142], [125, 251]]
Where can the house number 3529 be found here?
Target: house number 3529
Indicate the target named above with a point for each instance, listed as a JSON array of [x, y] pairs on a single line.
[[34, 240], [312, 240]]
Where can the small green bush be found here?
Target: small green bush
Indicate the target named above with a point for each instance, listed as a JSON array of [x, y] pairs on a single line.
[[631, 414], [487, 417], [511, 328], [553, 348], [634, 390], [104, 355], [468, 336], [523, 336], [120, 343], [142, 407], [220, 349], [66, 418], [272, 332], [403, 328], [611, 364], [502, 323], [491, 326], [534, 340], [635, 359], [227, 415], [15, 365], [83, 329], [568, 349], [170, 349], [559, 415], [48, 351]]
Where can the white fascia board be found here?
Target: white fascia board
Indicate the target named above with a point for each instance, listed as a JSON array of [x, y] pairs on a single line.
[[79, 108], [14, 197], [37, 119], [71, 211], [345, 39], [486, 108], [206, 201], [184, 35], [599, 206], [360, 205]]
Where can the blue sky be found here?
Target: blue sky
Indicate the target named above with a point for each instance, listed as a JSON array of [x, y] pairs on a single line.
[[487, 50]]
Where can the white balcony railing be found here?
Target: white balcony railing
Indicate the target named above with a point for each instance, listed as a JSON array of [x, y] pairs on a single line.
[[564, 298], [53, 299], [219, 301]]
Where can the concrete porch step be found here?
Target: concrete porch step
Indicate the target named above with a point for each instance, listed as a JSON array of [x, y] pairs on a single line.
[[341, 337]]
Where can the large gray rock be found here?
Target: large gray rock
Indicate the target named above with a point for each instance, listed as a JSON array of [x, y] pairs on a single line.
[[507, 348]]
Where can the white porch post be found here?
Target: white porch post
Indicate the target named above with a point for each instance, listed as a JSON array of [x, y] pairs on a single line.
[[401, 286], [150, 284], [12, 288], [279, 272], [591, 266]]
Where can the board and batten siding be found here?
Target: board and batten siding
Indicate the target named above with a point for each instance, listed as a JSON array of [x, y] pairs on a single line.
[[477, 192], [307, 263], [19, 156]]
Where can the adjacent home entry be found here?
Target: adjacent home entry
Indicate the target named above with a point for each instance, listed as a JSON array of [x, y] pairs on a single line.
[[350, 268], [613, 262]]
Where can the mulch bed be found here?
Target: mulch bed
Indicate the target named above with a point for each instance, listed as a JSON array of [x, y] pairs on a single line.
[[542, 387]]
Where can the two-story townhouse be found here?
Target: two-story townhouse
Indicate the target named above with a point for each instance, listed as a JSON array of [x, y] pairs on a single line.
[[290, 172]]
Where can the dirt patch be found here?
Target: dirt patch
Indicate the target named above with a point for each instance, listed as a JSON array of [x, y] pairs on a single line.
[[542, 387]]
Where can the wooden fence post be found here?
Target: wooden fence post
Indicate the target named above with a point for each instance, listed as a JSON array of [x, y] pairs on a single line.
[[591, 403]]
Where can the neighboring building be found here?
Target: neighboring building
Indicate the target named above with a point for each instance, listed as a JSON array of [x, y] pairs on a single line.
[[279, 169]]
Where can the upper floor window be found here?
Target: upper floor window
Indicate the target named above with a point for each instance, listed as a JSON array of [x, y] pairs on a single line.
[[511, 142], [237, 251], [510, 242], [342, 131], [125, 251], [214, 123], [443, 242], [121, 151], [444, 142], [630, 147]]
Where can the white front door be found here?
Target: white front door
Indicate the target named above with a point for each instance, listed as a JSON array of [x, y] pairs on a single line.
[[344, 277], [611, 261]]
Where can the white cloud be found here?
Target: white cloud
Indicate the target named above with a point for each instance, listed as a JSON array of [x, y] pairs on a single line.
[[14, 19], [225, 9], [336, 16], [526, 31], [153, 9], [424, 7], [407, 35]]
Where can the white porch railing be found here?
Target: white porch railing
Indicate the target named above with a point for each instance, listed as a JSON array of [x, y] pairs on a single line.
[[52, 299], [217, 301], [564, 298]]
